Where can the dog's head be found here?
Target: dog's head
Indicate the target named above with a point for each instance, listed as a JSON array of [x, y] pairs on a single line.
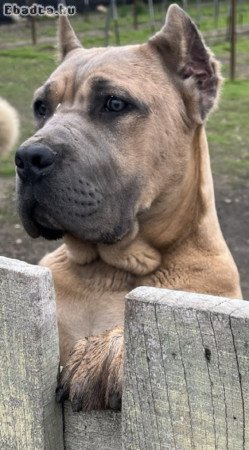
[[115, 127]]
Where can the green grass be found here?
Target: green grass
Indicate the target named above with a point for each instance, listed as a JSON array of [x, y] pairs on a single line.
[[22, 71], [205, 18], [242, 46], [228, 134]]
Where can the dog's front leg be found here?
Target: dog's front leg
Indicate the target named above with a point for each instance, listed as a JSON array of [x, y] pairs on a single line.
[[92, 377]]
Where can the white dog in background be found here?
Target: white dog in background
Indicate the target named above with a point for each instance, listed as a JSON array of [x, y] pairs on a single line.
[[9, 126]]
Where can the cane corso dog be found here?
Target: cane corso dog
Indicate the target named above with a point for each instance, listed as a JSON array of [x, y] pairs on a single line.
[[120, 168]]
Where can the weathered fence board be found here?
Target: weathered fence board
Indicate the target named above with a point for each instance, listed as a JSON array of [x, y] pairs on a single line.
[[29, 417], [186, 371], [98, 430]]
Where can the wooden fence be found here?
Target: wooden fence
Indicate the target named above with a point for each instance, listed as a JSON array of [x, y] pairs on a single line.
[[186, 372]]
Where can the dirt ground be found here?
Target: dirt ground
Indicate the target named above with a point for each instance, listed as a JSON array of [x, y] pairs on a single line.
[[232, 206]]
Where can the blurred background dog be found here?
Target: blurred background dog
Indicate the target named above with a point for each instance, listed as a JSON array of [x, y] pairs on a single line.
[[9, 126]]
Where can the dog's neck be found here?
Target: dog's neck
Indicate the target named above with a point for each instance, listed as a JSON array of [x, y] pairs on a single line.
[[193, 205], [191, 216]]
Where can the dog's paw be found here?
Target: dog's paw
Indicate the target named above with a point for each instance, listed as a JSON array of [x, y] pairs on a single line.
[[92, 377]]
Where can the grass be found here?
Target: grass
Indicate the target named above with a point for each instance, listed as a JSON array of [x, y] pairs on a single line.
[[24, 68], [22, 71], [228, 134]]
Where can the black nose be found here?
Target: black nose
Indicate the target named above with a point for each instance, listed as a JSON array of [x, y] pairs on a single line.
[[34, 161]]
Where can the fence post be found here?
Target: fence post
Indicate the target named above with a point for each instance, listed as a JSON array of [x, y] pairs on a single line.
[[30, 419], [95, 430], [186, 371], [233, 22]]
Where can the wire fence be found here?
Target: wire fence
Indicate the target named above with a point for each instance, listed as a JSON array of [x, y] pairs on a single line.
[[219, 21]]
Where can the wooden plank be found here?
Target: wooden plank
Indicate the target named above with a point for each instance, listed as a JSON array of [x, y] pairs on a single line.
[[30, 419], [186, 371], [97, 430]]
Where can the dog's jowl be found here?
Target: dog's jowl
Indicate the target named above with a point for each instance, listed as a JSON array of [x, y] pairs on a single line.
[[120, 167]]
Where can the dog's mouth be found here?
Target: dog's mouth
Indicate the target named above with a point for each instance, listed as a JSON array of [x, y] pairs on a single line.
[[38, 222], [46, 226], [48, 233], [43, 218], [51, 213]]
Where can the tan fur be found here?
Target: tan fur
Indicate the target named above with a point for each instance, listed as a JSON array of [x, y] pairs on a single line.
[[95, 366], [176, 241], [9, 126]]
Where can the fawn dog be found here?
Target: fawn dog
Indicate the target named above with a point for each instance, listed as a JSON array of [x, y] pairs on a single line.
[[120, 167]]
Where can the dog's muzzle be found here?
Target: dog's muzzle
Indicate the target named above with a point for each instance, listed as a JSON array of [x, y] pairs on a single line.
[[48, 206], [61, 191]]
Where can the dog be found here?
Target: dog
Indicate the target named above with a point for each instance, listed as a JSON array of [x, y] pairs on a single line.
[[9, 127], [120, 167]]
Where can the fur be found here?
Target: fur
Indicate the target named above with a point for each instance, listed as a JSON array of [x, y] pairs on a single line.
[[9, 127]]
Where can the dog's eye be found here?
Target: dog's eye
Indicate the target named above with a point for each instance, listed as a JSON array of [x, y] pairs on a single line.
[[40, 108], [115, 104]]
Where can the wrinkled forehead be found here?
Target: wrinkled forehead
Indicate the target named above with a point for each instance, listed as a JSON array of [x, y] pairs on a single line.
[[126, 68]]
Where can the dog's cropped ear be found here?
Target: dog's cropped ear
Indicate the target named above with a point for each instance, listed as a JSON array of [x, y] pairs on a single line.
[[190, 61], [67, 38]]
